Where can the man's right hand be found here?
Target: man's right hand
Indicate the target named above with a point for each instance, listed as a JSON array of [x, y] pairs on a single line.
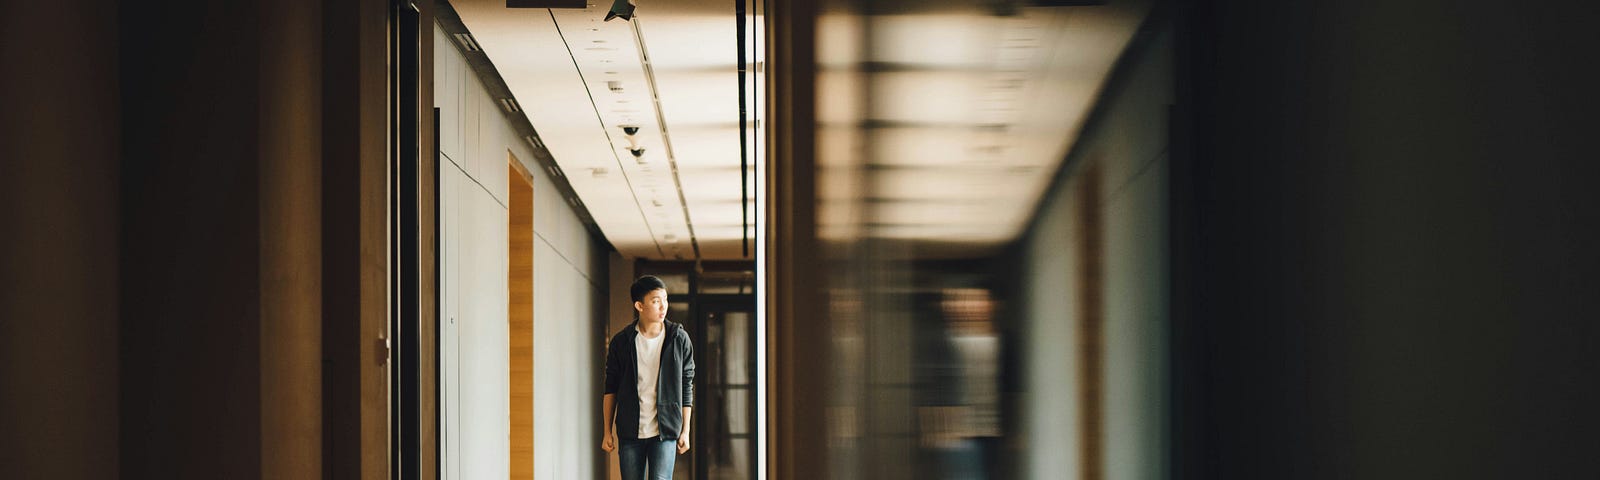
[[609, 443]]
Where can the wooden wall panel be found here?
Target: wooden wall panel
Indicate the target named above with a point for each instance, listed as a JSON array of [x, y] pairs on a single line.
[[521, 318], [1090, 324]]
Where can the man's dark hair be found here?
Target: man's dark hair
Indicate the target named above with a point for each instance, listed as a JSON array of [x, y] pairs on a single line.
[[644, 285]]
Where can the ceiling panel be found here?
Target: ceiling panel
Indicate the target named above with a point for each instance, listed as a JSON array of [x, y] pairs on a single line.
[[698, 98], [582, 79], [693, 54], [706, 146]]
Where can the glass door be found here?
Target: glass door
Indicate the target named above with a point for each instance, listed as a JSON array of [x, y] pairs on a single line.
[[724, 420]]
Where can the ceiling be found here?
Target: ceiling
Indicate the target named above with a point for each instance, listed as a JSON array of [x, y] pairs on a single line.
[[581, 80], [969, 118]]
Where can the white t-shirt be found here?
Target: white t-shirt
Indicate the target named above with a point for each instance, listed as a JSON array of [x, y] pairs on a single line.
[[649, 367]]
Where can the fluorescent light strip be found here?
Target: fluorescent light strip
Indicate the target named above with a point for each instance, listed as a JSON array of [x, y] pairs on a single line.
[[666, 140]]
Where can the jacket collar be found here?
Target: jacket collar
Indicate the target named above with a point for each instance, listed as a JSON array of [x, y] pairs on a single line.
[[668, 327]]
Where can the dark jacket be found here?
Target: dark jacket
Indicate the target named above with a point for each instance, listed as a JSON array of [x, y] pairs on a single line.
[[674, 385]]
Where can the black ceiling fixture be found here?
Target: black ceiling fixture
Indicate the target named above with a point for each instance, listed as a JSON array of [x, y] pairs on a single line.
[[622, 9], [744, 152], [547, 3]]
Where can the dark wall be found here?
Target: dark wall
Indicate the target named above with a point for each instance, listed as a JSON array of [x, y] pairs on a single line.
[[161, 172], [58, 239], [190, 266], [1385, 240]]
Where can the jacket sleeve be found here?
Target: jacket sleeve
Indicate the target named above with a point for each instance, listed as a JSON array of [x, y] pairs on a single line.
[[613, 368], [688, 372]]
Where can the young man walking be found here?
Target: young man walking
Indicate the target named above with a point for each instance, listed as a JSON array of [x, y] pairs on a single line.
[[649, 387]]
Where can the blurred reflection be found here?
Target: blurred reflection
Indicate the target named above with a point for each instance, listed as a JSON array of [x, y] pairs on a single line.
[[941, 129], [958, 419]]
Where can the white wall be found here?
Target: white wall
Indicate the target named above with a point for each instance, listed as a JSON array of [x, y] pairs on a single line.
[[1129, 141], [569, 313], [476, 335], [1051, 423], [1136, 266]]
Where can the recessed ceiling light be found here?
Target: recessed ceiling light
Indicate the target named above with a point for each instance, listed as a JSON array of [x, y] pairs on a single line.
[[467, 42], [510, 105]]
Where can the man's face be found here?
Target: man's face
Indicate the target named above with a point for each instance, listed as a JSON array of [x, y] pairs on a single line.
[[653, 306]]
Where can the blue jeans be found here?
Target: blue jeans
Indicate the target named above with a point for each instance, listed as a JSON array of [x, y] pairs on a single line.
[[637, 453]]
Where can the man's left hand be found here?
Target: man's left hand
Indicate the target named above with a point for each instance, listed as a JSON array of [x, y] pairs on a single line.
[[683, 444]]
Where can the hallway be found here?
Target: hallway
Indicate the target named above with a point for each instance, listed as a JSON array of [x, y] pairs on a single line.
[[1094, 240]]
